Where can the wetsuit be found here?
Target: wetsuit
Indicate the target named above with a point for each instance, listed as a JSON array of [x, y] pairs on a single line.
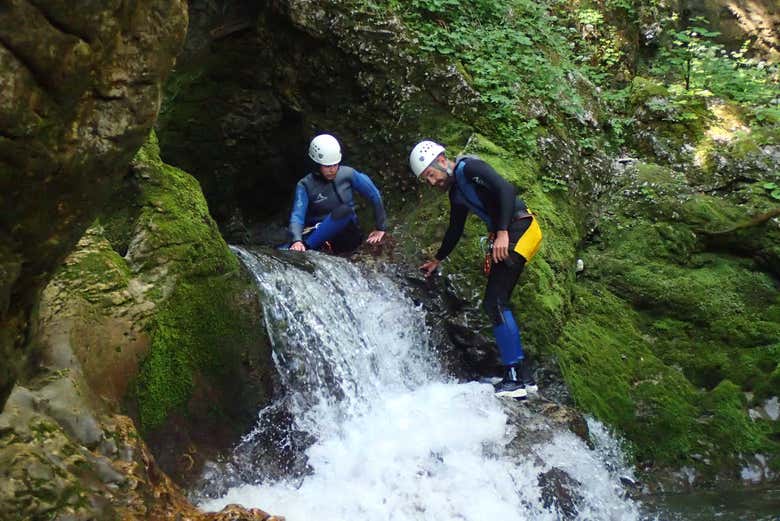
[[478, 188], [328, 209]]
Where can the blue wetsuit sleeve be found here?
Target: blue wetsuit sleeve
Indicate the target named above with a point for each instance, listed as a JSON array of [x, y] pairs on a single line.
[[365, 187], [458, 214], [298, 215]]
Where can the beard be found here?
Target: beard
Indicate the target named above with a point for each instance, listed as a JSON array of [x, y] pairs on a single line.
[[444, 184]]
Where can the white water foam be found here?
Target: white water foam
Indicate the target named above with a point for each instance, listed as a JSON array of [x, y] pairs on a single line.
[[395, 438]]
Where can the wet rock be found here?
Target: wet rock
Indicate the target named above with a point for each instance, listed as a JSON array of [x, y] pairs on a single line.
[[239, 513], [559, 493], [62, 401], [537, 419]]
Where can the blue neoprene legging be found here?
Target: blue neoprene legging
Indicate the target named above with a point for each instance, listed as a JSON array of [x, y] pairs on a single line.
[[335, 223]]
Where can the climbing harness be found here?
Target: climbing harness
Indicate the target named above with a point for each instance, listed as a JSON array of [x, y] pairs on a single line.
[[486, 245]]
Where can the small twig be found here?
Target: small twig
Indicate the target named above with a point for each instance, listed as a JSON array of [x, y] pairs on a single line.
[[754, 221]]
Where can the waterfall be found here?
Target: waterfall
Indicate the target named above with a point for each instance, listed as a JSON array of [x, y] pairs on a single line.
[[388, 435]]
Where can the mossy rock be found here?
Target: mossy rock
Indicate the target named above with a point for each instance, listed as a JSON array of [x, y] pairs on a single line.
[[644, 89], [164, 321], [206, 331], [691, 299], [201, 335], [612, 372]]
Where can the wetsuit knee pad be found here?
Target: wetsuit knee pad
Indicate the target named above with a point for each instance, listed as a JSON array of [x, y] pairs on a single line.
[[493, 310]]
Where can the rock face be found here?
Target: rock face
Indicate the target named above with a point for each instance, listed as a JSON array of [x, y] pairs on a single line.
[[59, 460], [157, 317], [738, 20], [152, 315], [275, 76], [81, 88]]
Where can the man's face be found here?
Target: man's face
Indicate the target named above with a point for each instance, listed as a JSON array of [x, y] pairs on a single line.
[[329, 171], [435, 178]]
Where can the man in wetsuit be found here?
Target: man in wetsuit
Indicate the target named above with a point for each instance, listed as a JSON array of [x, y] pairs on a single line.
[[323, 214], [474, 186]]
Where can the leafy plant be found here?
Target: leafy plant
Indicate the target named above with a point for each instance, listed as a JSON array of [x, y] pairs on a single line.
[[705, 67], [553, 184], [773, 189], [512, 51]]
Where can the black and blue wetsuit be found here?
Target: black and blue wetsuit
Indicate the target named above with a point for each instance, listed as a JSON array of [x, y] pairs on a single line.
[[328, 208], [478, 188]]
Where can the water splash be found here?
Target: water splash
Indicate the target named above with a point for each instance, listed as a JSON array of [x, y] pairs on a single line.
[[392, 436]]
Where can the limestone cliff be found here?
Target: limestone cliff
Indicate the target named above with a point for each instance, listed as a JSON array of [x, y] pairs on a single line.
[[81, 88]]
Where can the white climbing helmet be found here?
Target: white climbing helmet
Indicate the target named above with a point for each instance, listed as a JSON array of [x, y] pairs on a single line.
[[423, 154], [325, 150]]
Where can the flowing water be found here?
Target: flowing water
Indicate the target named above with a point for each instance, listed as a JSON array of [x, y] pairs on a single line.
[[388, 435]]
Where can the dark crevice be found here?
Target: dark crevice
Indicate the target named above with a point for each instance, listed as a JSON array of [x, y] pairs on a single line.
[[105, 97], [6, 135], [59, 25]]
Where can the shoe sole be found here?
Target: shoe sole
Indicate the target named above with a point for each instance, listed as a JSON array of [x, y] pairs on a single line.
[[532, 388], [517, 393]]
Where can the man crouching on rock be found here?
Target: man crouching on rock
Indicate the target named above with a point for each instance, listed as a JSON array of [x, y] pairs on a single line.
[[323, 215]]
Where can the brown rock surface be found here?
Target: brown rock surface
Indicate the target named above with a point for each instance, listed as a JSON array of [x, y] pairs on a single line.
[[47, 472], [81, 86]]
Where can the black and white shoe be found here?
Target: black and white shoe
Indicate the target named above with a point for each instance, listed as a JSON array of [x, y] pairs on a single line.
[[509, 389], [510, 386]]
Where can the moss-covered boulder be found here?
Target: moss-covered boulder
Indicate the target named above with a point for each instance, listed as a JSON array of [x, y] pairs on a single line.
[[81, 87], [157, 314], [665, 127], [674, 336]]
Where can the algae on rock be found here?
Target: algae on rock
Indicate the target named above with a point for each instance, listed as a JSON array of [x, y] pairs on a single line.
[[159, 316], [81, 85]]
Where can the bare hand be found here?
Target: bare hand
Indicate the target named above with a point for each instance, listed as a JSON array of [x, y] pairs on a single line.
[[298, 246], [429, 267], [375, 237], [501, 246]]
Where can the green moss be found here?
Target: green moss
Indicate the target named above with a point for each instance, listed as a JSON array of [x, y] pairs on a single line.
[[201, 327], [95, 269], [728, 426], [644, 89], [743, 146], [175, 220], [704, 324], [707, 212], [613, 373], [198, 332]]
